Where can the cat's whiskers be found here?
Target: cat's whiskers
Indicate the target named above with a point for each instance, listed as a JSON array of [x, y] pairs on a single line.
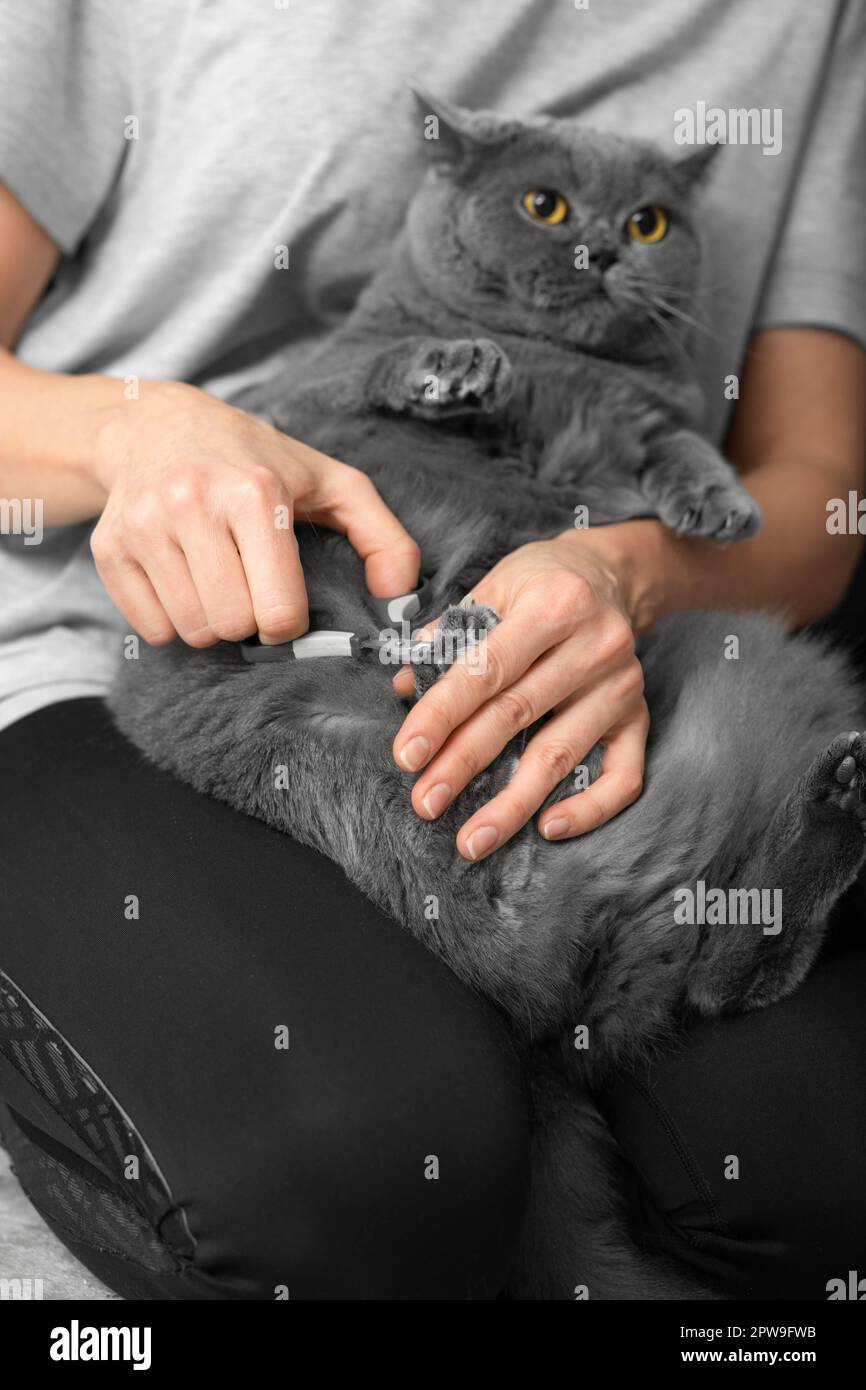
[[699, 292], [667, 308], [674, 292], [663, 327], [656, 321]]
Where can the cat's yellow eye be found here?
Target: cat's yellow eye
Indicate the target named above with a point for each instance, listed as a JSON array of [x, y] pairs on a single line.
[[545, 205], [647, 225]]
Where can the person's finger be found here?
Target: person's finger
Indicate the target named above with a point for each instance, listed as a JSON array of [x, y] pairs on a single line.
[[619, 785], [404, 681], [525, 632], [166, 568], [219, 579], [130, 589], [392, 560], [261, 523], [554, 752], [556, 676], [503, 657]]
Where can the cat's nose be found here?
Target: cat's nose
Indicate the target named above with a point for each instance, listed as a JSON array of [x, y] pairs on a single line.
[[602, 256]]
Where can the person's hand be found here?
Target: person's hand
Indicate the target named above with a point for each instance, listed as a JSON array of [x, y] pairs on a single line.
[[565, 644], [197, 534]]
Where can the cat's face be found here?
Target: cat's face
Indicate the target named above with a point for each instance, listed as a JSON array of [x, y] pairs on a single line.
[[546, 228]]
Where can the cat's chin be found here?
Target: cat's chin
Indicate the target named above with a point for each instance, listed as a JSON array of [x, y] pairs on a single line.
[[584, 324]]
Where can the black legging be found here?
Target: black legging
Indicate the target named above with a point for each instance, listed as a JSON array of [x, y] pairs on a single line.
[[159, 950]]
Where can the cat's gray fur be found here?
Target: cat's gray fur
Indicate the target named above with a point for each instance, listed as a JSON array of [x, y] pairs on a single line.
[[557, 387]]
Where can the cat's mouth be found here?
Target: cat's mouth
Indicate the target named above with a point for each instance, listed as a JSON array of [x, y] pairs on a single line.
[[537, 289]]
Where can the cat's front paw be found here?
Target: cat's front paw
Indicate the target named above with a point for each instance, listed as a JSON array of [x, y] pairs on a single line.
[[719, 512], [460, 635], [449, 376]]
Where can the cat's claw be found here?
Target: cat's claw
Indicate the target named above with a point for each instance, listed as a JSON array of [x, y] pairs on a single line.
[[719, 513]]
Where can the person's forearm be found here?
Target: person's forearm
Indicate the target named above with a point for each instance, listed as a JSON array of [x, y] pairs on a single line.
[[53, 437], [794, 567]]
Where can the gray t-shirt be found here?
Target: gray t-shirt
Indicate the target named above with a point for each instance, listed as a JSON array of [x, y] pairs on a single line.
[[170, 147]]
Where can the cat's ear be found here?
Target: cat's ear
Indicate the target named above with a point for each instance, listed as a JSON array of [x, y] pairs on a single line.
[[453, 132], [694, 169]]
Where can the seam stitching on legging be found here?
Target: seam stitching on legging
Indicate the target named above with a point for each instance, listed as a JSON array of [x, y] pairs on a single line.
[[30, 1153], [180, 1266], [683, 1152]]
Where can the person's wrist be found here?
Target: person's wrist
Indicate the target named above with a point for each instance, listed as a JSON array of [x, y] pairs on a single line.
[[634, 554], [119, 420]]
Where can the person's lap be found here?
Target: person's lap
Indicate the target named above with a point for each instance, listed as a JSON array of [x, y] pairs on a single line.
[[306, 1167]]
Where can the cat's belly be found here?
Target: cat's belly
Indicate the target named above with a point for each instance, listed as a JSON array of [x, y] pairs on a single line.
[[413, 463]]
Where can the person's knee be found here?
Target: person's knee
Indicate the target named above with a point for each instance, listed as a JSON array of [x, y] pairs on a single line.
[[747, 1162]]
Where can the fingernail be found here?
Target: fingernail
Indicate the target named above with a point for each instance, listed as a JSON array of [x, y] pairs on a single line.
[[415, 753], [481, 841], [553, 828], [437, 799]]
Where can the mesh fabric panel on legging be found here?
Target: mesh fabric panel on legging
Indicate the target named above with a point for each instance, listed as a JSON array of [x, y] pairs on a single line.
[[132, 1215]]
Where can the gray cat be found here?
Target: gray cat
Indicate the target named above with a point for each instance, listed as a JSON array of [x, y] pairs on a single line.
[[488, 386]]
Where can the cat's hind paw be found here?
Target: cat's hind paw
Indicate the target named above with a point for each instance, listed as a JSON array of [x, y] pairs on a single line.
[[460, 635], [836, 781]]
